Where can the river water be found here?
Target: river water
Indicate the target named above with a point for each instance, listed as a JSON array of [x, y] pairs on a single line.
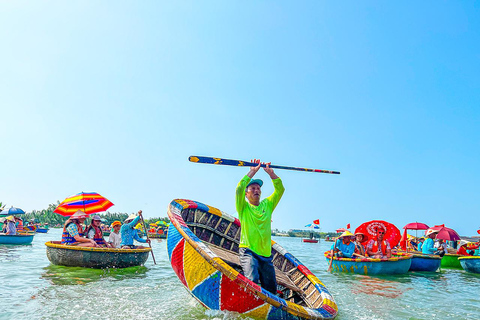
[[31, 287]]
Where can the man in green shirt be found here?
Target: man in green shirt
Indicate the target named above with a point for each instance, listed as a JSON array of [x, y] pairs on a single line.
[[256, 218]]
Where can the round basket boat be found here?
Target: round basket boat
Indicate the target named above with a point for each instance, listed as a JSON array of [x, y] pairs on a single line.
[[425, 262], [73, 256], [21, 238], [450, 260], [203, 250], [470, 263], [398, 264]]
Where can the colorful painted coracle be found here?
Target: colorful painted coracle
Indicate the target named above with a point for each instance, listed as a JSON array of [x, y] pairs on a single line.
[[398, 264], [203, 244], [425, 262], [18, 239], [72, 256], [470, 263], [450, 260]]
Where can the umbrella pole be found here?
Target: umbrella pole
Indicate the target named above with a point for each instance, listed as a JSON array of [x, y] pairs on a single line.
[[146, 232]]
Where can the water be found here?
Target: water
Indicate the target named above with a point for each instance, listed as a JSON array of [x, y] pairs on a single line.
[[33, 288]]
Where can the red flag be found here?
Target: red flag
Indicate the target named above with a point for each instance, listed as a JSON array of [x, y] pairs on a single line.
[[348, 226], [478, 231], [316, 221]]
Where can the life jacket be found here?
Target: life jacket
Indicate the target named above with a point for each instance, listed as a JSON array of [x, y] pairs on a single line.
[[66, 237], [375, 247], [98, 237]]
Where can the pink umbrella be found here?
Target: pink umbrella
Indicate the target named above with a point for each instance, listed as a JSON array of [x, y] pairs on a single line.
[[416, 226], [445, 233], [341, 230]]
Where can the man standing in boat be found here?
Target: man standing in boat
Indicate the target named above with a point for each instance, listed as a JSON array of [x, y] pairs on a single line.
[[256, 218]]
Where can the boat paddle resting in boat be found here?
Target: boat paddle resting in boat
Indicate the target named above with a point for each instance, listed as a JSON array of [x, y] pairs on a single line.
[[399, 263], [425, 262], [450, 260], [19, 238], [73, 256], [470, 263], [202, 245]]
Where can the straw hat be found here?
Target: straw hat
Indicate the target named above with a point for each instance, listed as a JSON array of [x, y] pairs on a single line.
[[131, 217], [116, 223], [97, 217], [346, 234], [79, 214], [363, 234], [430, 231], [10, 218], [463, 242]]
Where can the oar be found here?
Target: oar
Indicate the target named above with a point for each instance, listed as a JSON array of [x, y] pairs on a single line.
[[331, 258], [359, 255], [146, 232], [239, 163]]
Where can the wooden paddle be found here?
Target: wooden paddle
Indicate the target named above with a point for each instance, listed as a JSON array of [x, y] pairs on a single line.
[[359, 255], [331, 258], [239, 163], [146, 232]]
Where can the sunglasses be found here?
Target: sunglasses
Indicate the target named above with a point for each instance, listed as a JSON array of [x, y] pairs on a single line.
[[381, 232]]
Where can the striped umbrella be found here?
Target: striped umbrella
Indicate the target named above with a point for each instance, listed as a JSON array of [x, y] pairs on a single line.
[[88, 202]]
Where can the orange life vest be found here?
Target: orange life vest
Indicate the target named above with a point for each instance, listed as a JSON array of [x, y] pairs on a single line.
[[67, 238], [383, 246]]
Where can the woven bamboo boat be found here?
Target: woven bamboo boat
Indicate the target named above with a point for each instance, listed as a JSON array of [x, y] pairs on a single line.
[[398, 264], [73, 256], [470, 263], [425, 262], [450, 260], [20, 238], [202, 245]]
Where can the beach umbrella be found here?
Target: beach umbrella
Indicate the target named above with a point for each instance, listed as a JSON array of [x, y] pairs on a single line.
[[12, 211], [88, 202], [341, 230], [392, 234], [313, 226], [416, 226]]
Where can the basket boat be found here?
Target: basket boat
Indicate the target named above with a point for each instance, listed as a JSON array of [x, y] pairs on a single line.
[[73, 256], [41, 230], [470, 263], [157, 236], [399, 263], [22, 238], [425, 262], [203, 247], [450, 260], [310, 240]]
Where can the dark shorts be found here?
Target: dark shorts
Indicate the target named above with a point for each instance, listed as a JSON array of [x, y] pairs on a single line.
[[258, 269]]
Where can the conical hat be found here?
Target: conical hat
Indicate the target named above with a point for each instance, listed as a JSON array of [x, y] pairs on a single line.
[[346, 234]]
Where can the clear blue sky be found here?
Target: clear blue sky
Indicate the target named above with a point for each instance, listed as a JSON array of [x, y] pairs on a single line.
[[113, 96]]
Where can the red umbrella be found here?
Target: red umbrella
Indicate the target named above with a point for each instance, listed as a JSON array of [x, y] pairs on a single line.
[[416, 226], [445, 233], [341, 230], [88, 202], [392, 234]]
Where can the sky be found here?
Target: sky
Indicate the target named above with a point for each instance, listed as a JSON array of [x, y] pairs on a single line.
[[114, 96]]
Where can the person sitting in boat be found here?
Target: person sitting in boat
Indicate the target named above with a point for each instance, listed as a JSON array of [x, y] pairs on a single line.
[[73, 234], [129, 233], [256, 217], [94, 231], [420, 244], [442, 246], [11, 229], [463, 250], [428, 246], [19, 224], [115, 239], [344, 247], [379, 248], [359, 248]]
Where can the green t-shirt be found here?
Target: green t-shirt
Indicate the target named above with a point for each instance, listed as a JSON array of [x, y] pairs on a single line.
[[256, 221]]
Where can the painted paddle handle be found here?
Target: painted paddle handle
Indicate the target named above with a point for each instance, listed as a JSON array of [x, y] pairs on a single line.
[[240, 163]]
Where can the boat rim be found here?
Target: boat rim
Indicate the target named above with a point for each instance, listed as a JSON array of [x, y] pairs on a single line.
[[402, 256], [50, 244], [469, 258]]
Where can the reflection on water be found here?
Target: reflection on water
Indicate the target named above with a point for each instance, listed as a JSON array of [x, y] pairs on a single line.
[[60, 275], [11, 252]]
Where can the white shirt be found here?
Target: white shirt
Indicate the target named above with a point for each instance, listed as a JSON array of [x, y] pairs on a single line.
[[115, 238]]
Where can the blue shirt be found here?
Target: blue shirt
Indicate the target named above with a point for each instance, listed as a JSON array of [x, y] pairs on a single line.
[[347, 250], [11, 229], [419, 247], [428, 246], [129, 233]]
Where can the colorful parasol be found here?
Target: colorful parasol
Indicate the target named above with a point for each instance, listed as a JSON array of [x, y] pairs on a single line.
[[392, 234], [445, 233], [88, 202]]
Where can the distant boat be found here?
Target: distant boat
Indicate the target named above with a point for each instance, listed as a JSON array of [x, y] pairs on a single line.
[[42, 230], [310, 240], [398, 264], [22, 238]]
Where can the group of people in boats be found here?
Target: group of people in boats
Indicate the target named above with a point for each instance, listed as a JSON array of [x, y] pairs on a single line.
[[121, 235], [353, 246]]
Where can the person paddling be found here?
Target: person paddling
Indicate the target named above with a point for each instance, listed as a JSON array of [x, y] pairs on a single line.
[[128, 232], [255, 217], [428, 245], [344, 247]]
